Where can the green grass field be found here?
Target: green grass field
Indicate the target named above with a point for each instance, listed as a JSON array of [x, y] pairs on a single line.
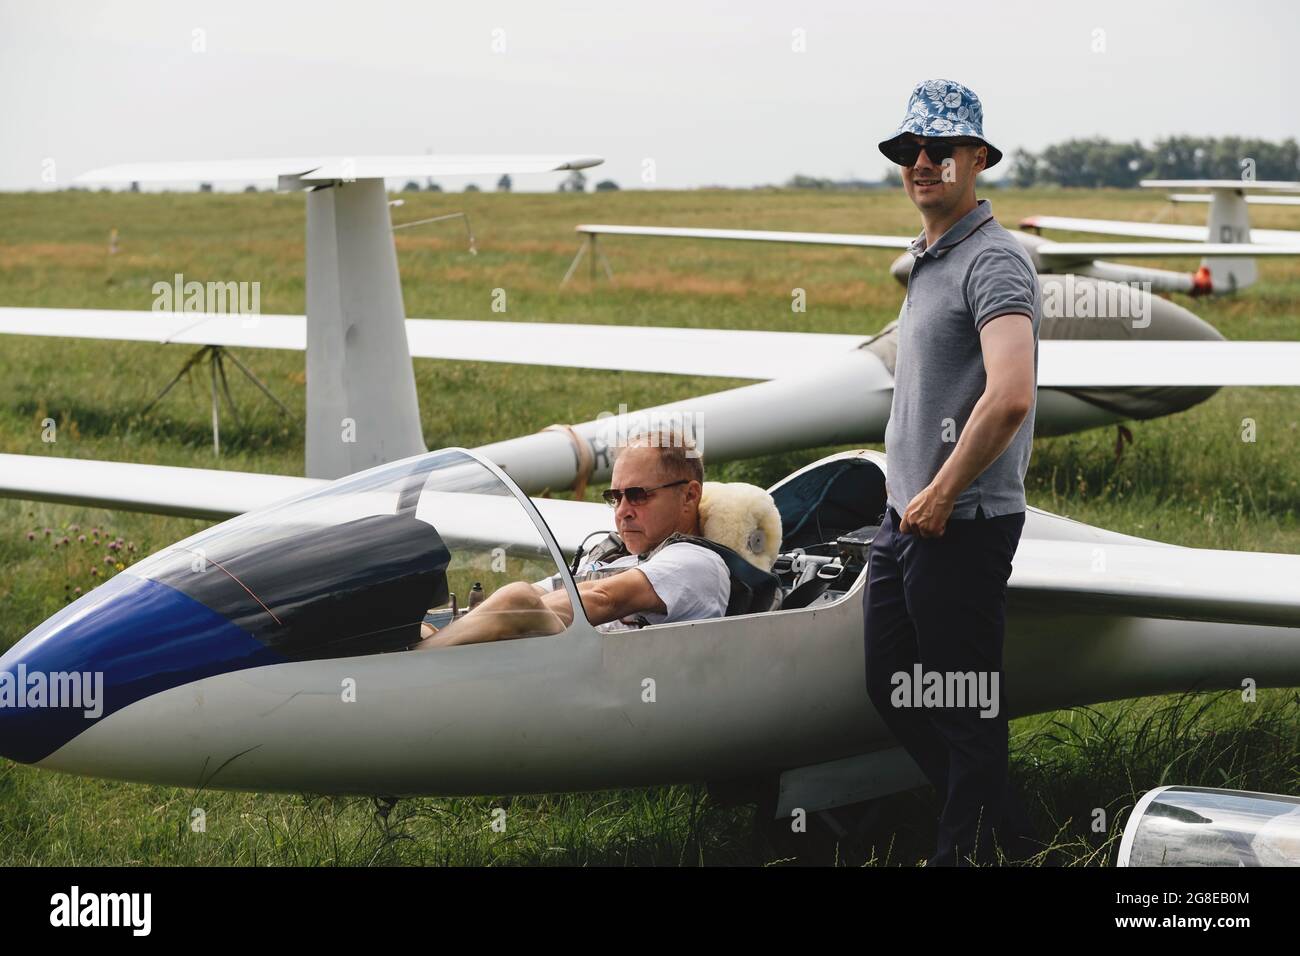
[[1189, 479]]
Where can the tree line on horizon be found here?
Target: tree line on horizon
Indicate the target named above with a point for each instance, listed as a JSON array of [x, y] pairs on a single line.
[[1099, 162]]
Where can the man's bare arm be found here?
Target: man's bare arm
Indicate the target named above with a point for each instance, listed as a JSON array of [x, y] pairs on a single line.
[[1008, 346], [1007, 343], [614, 597], [521, 609]]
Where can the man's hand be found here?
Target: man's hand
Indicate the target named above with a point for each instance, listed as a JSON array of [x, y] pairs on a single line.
[[927, 514]]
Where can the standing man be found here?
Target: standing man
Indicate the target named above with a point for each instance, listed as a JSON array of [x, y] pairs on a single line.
[[958, 443]]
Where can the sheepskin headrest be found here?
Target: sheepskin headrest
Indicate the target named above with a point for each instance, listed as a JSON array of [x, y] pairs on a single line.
[[744, 518]]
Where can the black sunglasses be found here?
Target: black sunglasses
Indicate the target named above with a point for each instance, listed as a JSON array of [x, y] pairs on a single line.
[[635, 496], [904, 152]]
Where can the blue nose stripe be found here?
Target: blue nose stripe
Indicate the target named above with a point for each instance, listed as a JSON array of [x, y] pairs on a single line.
[[143, 637]]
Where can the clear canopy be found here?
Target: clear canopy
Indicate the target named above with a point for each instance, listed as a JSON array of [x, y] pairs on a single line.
[[371, 563]]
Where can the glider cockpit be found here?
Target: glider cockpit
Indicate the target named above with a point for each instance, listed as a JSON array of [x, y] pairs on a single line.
[[830, 511], [355, 567]]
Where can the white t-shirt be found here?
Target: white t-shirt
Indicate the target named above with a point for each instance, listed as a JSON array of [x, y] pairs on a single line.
[[692, 581]]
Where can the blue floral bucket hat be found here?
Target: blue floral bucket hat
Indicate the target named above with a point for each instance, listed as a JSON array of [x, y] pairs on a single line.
[[943, 109]]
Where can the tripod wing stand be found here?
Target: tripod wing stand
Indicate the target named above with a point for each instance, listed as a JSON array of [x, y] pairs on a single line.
[[215, 356]]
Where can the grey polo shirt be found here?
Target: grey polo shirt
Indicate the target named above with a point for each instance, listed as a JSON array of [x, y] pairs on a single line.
[[974, 273]]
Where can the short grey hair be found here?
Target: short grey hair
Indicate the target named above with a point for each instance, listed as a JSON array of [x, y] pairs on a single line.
[[678, 455]]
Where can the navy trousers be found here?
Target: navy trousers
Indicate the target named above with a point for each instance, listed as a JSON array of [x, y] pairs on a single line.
[[941, 602]]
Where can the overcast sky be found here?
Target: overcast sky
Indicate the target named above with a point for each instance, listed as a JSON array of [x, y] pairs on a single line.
[[713, 93]]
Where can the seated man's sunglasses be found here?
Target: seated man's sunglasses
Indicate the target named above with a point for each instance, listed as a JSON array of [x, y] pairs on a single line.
[[636, 496], [904, 152]]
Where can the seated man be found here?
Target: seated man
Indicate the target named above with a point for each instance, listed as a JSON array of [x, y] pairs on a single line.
[[655, 489]]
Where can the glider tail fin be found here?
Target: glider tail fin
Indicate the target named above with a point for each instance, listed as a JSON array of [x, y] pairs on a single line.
[[362, 408], [1229, 222]]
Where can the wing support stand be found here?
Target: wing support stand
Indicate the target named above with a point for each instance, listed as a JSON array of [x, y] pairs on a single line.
[[589, 246], [469, 230], [215, 356]]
